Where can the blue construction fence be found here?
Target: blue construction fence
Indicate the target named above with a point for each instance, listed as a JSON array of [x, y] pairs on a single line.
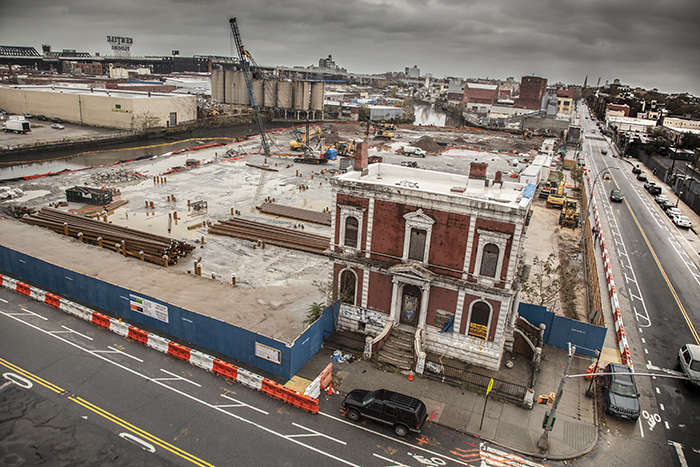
[[270, 355], [560, 331]]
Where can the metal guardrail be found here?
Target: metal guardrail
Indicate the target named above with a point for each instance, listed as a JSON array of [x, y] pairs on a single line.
[[476, 382]]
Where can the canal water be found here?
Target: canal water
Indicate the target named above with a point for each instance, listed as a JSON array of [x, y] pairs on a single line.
[[428, 114]]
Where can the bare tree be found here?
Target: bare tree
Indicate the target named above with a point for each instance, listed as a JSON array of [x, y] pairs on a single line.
[[550, 282]]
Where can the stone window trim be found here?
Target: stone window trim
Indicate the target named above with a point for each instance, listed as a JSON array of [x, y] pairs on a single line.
[[340, 283], [359, 214], [499, 239], [469, 320], [417, 220]]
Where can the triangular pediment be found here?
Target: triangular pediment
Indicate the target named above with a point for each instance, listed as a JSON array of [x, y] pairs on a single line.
[[412, 270], [419, 217]]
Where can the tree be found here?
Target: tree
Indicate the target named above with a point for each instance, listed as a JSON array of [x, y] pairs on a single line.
[[577, 175], [313, 313], [363, 114]]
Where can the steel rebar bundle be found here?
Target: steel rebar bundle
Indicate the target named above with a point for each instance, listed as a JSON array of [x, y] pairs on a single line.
[[146, 246], [272, 235]]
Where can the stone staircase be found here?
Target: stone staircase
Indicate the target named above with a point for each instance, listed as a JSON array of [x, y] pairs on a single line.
[[397, 350]]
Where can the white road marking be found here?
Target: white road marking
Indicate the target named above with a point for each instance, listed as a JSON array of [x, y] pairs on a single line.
[[412, 446], [641, 430], [661, 406], [658, 391], [666, 424], [315, 433], [3, 300], [243, 404], [27, 312], [175, 377], [679, 452], [148, 447], [393, 462], [76, 332], [14, 378], [644, 341], [113, 350], [646, 351], [207, 404]]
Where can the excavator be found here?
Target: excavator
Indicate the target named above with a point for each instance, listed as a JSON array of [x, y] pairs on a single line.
[[300, 142], [557, 198], [346, 148]]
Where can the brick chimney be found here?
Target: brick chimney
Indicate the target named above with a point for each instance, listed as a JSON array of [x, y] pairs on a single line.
[[477, 170], [361, 156]]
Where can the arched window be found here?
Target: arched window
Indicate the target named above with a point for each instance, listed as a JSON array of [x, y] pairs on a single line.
[[348, 284], [351, 229], [489, 260], [479, 320]]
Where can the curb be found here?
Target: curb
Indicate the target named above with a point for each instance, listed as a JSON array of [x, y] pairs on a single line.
[[623, 344], [181, 352]]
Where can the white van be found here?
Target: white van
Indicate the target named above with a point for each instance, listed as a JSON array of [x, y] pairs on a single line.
[[413, 151]]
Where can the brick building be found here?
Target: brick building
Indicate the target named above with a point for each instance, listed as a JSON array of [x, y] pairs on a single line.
[[480, 97], [532, 89], [617, 110], [565, 101], [427, 259], [85, 68]]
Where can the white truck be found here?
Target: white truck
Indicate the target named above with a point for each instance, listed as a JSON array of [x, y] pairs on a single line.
[[17, 124], [413, 151]]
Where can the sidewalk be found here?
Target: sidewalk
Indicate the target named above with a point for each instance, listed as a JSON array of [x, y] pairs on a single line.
[[575, 432]]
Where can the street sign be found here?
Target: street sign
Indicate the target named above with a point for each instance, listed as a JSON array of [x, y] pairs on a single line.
[[488, 389]]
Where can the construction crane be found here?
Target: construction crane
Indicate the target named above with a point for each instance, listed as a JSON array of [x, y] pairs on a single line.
[[245, 58]]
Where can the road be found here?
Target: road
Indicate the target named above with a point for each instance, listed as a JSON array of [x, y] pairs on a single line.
[[657, 275], [182, 415]]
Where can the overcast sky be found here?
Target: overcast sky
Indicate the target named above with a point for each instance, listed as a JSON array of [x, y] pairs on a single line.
[[642, 42]]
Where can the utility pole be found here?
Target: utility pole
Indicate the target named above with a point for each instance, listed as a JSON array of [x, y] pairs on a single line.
[[543, 442]]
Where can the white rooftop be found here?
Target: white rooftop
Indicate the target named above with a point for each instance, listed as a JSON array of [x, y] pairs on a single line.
[[440, 183], [631, 121], [95, 91], [693, 131], [491, 87]]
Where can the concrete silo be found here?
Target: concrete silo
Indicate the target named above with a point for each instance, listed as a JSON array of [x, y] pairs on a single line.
[[284, 94], [317, 96], [270, 93]]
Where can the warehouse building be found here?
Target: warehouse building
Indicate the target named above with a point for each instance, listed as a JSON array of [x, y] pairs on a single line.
[[100, 107]]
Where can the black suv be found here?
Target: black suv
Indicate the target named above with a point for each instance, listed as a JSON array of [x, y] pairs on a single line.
[[636, 170], [620, 392], [616, 195], [404, 413]]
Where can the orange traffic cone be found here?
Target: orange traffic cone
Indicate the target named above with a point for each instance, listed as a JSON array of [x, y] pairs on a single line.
[[330, 389], [410, 375]]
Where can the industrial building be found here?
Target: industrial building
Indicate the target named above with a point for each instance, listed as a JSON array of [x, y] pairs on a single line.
[[480, 97], [532, 90], [100, 107], [298, 98]]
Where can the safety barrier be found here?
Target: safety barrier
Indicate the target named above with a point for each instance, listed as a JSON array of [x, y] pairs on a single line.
[[161, 344], [622, 343]]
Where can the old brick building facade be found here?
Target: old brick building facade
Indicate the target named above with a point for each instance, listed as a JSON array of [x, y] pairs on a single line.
[[430, 253], [532, 89]]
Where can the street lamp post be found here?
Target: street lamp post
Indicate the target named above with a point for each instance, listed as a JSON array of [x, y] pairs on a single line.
[[543, 442]]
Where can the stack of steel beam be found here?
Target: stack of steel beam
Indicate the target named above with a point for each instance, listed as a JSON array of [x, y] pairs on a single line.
[[143, 245], [272, 235]]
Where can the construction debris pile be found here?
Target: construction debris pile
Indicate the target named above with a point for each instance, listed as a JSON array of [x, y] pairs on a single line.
[[115, 176], [145, 246], [264, 234], [427, 143]]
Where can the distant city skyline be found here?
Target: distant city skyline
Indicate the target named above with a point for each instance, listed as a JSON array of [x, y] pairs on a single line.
[[643, 43]]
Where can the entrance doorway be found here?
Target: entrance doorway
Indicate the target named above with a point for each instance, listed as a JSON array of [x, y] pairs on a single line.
[[410, 305]]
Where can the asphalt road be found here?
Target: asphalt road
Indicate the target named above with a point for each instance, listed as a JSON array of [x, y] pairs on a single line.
[[179, 414], [657, 275]]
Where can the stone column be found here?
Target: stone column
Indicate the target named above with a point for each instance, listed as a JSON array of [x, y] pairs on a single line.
[[395, 309], [424, 305]]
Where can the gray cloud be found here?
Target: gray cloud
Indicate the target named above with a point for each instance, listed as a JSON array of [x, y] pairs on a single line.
[[642, 42]]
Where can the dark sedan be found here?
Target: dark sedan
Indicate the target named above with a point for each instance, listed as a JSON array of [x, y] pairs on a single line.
[[616, 196], [641, 177]]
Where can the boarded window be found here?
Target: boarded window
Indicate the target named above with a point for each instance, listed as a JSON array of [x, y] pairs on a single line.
[[489, 260], [416, 249], [351, 229], [479, 320], [347, 287]]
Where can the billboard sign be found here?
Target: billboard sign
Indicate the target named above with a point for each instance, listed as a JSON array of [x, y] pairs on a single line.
[[121, 46]]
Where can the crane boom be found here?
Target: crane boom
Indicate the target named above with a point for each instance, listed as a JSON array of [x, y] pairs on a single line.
[[244, 57]]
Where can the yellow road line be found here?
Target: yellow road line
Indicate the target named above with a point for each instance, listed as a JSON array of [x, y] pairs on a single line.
[[136, 430], [109, 416], [32, 376], [658, 264]]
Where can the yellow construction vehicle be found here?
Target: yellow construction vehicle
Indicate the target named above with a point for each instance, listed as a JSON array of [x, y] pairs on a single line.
[[556, 198], [569, 214], [299, 143], [346, 148], [384, 134]]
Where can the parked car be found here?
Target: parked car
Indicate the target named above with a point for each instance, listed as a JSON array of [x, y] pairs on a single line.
[[636, 170], [621, 398], [682, 221], [648, 184], [654, 190], [413, 164], [672, 212], [57, 126], [616, 195], [403, 413], [57, 120], [665, 205], [660, 198], [689, 361], [641, 177], [43, 118], [603, 151]]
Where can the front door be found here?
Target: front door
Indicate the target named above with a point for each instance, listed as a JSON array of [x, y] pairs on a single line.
[[410, 305]]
